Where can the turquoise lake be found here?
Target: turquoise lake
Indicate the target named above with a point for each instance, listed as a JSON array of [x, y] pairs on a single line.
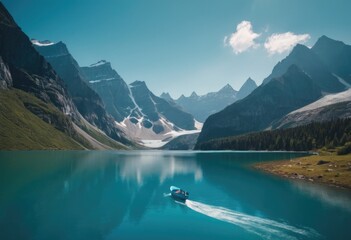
[[125, 195]]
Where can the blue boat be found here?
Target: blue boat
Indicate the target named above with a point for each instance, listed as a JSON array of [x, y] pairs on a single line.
[[179, 194]]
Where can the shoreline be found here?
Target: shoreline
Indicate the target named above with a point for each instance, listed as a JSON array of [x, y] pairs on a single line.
[[326, 168]]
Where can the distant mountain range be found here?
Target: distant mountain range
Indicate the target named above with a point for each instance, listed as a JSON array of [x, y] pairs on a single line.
[[203, 106], [303, 77]]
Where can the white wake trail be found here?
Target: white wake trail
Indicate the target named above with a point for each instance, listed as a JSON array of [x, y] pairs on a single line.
[[167, 194], [269, 229]]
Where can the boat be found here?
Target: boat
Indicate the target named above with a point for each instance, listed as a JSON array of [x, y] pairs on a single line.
[[179, 194]]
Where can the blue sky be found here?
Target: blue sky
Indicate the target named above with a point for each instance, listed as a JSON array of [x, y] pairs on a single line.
[[182, 46]]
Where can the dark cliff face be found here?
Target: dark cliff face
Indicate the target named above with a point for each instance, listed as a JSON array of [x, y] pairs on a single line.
[[5, 75], [111, 88], [29, 70], [312, 65], [336, 55], [22, 67], [88, 102], [46, 97]]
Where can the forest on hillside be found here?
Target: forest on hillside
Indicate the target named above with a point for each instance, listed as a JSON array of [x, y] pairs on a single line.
[[316, 135]]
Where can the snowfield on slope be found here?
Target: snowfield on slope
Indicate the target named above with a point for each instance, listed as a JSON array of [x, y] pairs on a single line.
[[326, 100]]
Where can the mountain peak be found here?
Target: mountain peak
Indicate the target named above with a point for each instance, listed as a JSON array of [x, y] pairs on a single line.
[[324, 38], [227, 89], [138, 83], [166, 95], [50, 49], [299, 49], [182, 96], [194, 95], [250, 80], [325, 42], [248, 86]]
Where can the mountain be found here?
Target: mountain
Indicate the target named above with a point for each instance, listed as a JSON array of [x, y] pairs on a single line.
[[309, 62], [327, 108], [336, 55], [29, 70], [142, 115], [203, 106], [268, 102], [167, 97], [246, 89], [38, 112], [299, 79], [112, 89], [87, 101], [155, 108]]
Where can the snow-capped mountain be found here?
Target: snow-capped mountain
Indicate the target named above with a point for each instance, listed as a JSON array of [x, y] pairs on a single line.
[[148, 119], [203, 106], [88, 102]]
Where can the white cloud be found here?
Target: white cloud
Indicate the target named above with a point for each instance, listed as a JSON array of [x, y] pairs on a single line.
[[282, 42], [243, 39]]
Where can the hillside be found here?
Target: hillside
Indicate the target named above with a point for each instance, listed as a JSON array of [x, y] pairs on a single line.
[[183, 142], [20, 129]]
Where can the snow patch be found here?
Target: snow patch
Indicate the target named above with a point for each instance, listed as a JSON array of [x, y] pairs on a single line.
[[100, 80], [342, 81], [99, 63], [121, 124], [147, 137], [153, 143], [326, 100], [198, 125], [42, 43]]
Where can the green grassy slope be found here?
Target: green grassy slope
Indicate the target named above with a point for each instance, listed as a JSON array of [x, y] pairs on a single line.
[[20, 129]]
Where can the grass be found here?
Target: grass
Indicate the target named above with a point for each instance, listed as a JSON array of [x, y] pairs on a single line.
[[327, 168], [20, 129]]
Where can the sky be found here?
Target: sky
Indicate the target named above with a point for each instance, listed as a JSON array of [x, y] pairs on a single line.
[[181, 46]]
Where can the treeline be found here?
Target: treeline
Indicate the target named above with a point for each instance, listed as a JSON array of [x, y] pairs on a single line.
[[316, 135]]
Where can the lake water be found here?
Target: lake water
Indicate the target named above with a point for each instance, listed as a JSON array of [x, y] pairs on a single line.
[[125, 195]]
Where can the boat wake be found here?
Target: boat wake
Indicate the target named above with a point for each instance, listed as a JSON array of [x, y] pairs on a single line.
[[266, 228]]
